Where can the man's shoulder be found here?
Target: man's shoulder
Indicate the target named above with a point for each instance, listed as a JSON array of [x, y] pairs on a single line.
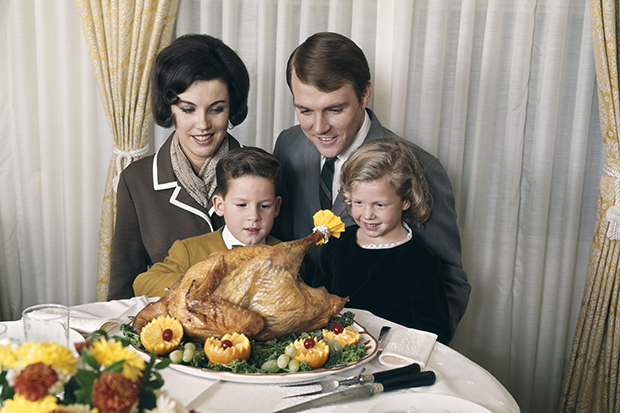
[[377, 130], [292, 144], [291, 136]]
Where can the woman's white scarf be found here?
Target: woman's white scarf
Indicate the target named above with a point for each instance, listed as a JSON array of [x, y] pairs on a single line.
[[202, 186]]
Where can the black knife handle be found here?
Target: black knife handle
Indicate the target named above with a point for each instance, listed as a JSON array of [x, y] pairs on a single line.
[[423, 378], [382, 376]]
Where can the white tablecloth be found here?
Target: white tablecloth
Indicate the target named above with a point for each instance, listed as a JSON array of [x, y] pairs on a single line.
[[456, 375]]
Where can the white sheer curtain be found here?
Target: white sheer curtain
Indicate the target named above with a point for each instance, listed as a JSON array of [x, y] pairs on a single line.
[[55, 149], [501, 91]]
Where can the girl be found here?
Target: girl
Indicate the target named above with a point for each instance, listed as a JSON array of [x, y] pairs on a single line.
[[380, 263]]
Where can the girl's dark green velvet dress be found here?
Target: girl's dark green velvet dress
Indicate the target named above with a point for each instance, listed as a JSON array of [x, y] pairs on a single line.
[[403, 284]]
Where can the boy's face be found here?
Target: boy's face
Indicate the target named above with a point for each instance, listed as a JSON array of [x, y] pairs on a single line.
[[249, 208]]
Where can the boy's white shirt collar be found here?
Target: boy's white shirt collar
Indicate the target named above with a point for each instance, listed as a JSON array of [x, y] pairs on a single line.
[[230, 240], [357, 142]]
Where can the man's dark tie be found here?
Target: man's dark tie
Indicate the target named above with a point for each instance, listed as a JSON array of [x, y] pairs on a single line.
[[327, 177]]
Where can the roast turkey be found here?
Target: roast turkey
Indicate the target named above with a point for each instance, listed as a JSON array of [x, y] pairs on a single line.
[[254, 290]]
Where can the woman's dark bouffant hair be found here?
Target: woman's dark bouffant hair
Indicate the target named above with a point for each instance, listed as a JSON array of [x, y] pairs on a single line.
[[191, 58], [247, 161]]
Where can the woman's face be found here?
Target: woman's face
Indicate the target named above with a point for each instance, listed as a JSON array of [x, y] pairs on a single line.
[[201, 119]]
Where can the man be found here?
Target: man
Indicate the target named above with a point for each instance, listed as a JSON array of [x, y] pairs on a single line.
[[329, 78]]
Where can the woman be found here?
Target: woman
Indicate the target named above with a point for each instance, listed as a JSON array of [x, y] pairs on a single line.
[[199, 86]]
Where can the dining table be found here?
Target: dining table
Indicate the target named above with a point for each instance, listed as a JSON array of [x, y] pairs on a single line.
[[460, 386]]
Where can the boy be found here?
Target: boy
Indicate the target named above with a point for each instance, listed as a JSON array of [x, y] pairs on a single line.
[[248, 179]]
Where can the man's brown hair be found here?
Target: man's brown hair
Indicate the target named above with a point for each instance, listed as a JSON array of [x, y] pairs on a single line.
[[328, 61]]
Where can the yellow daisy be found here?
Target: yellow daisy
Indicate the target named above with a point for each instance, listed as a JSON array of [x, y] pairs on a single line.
[[109, 352], [20, 404], [53, 354]]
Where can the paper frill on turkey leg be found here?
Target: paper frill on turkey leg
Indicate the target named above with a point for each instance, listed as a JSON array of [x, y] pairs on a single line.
[[329, 224]]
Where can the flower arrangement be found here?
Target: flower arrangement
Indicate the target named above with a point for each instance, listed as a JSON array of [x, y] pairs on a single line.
[[107, 377]]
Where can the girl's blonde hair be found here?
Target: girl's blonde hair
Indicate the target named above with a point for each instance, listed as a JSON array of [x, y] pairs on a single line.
[[393, 161]]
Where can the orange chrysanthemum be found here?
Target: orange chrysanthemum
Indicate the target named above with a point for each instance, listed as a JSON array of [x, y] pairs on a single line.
[[86, 344], [34, 380], [114, 393]]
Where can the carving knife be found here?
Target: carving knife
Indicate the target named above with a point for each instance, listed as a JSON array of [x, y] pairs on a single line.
[[424, 378]]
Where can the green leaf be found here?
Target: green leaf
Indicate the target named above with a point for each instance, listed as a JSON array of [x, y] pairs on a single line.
[[7, 391], [98, 334], [148, 401], [157, 382], [115, 367], [163, 364], [90, 359], [80, 387]]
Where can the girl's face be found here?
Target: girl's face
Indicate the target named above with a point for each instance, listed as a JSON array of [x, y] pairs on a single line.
[[377, 209], [201, 119]]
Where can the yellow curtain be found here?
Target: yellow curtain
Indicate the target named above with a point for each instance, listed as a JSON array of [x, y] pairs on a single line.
[[123, 37], [591, 383]]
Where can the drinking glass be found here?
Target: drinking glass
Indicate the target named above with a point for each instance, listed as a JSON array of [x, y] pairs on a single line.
[[47, 322]]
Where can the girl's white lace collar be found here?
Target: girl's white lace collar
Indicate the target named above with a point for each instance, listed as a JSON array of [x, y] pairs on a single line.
[[389, 244]]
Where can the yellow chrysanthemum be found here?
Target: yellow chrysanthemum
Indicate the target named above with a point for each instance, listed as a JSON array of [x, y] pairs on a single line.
[[20, 404], [333, 223], [109, 352], [7, 357], [53, 354]]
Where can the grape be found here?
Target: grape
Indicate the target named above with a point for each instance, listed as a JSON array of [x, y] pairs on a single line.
[[176, 356], [226, 343], [270, 366], [293, 366], [191, 345], [283, 361], [166, 335], [337, 328], [334, 346], [291, 350], [309, 343], [188, 354]]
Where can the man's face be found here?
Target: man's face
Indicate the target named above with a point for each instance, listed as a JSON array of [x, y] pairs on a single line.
[[329, 119]]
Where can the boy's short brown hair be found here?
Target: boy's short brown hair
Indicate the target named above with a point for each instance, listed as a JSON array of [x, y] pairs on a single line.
[[247, 161]]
